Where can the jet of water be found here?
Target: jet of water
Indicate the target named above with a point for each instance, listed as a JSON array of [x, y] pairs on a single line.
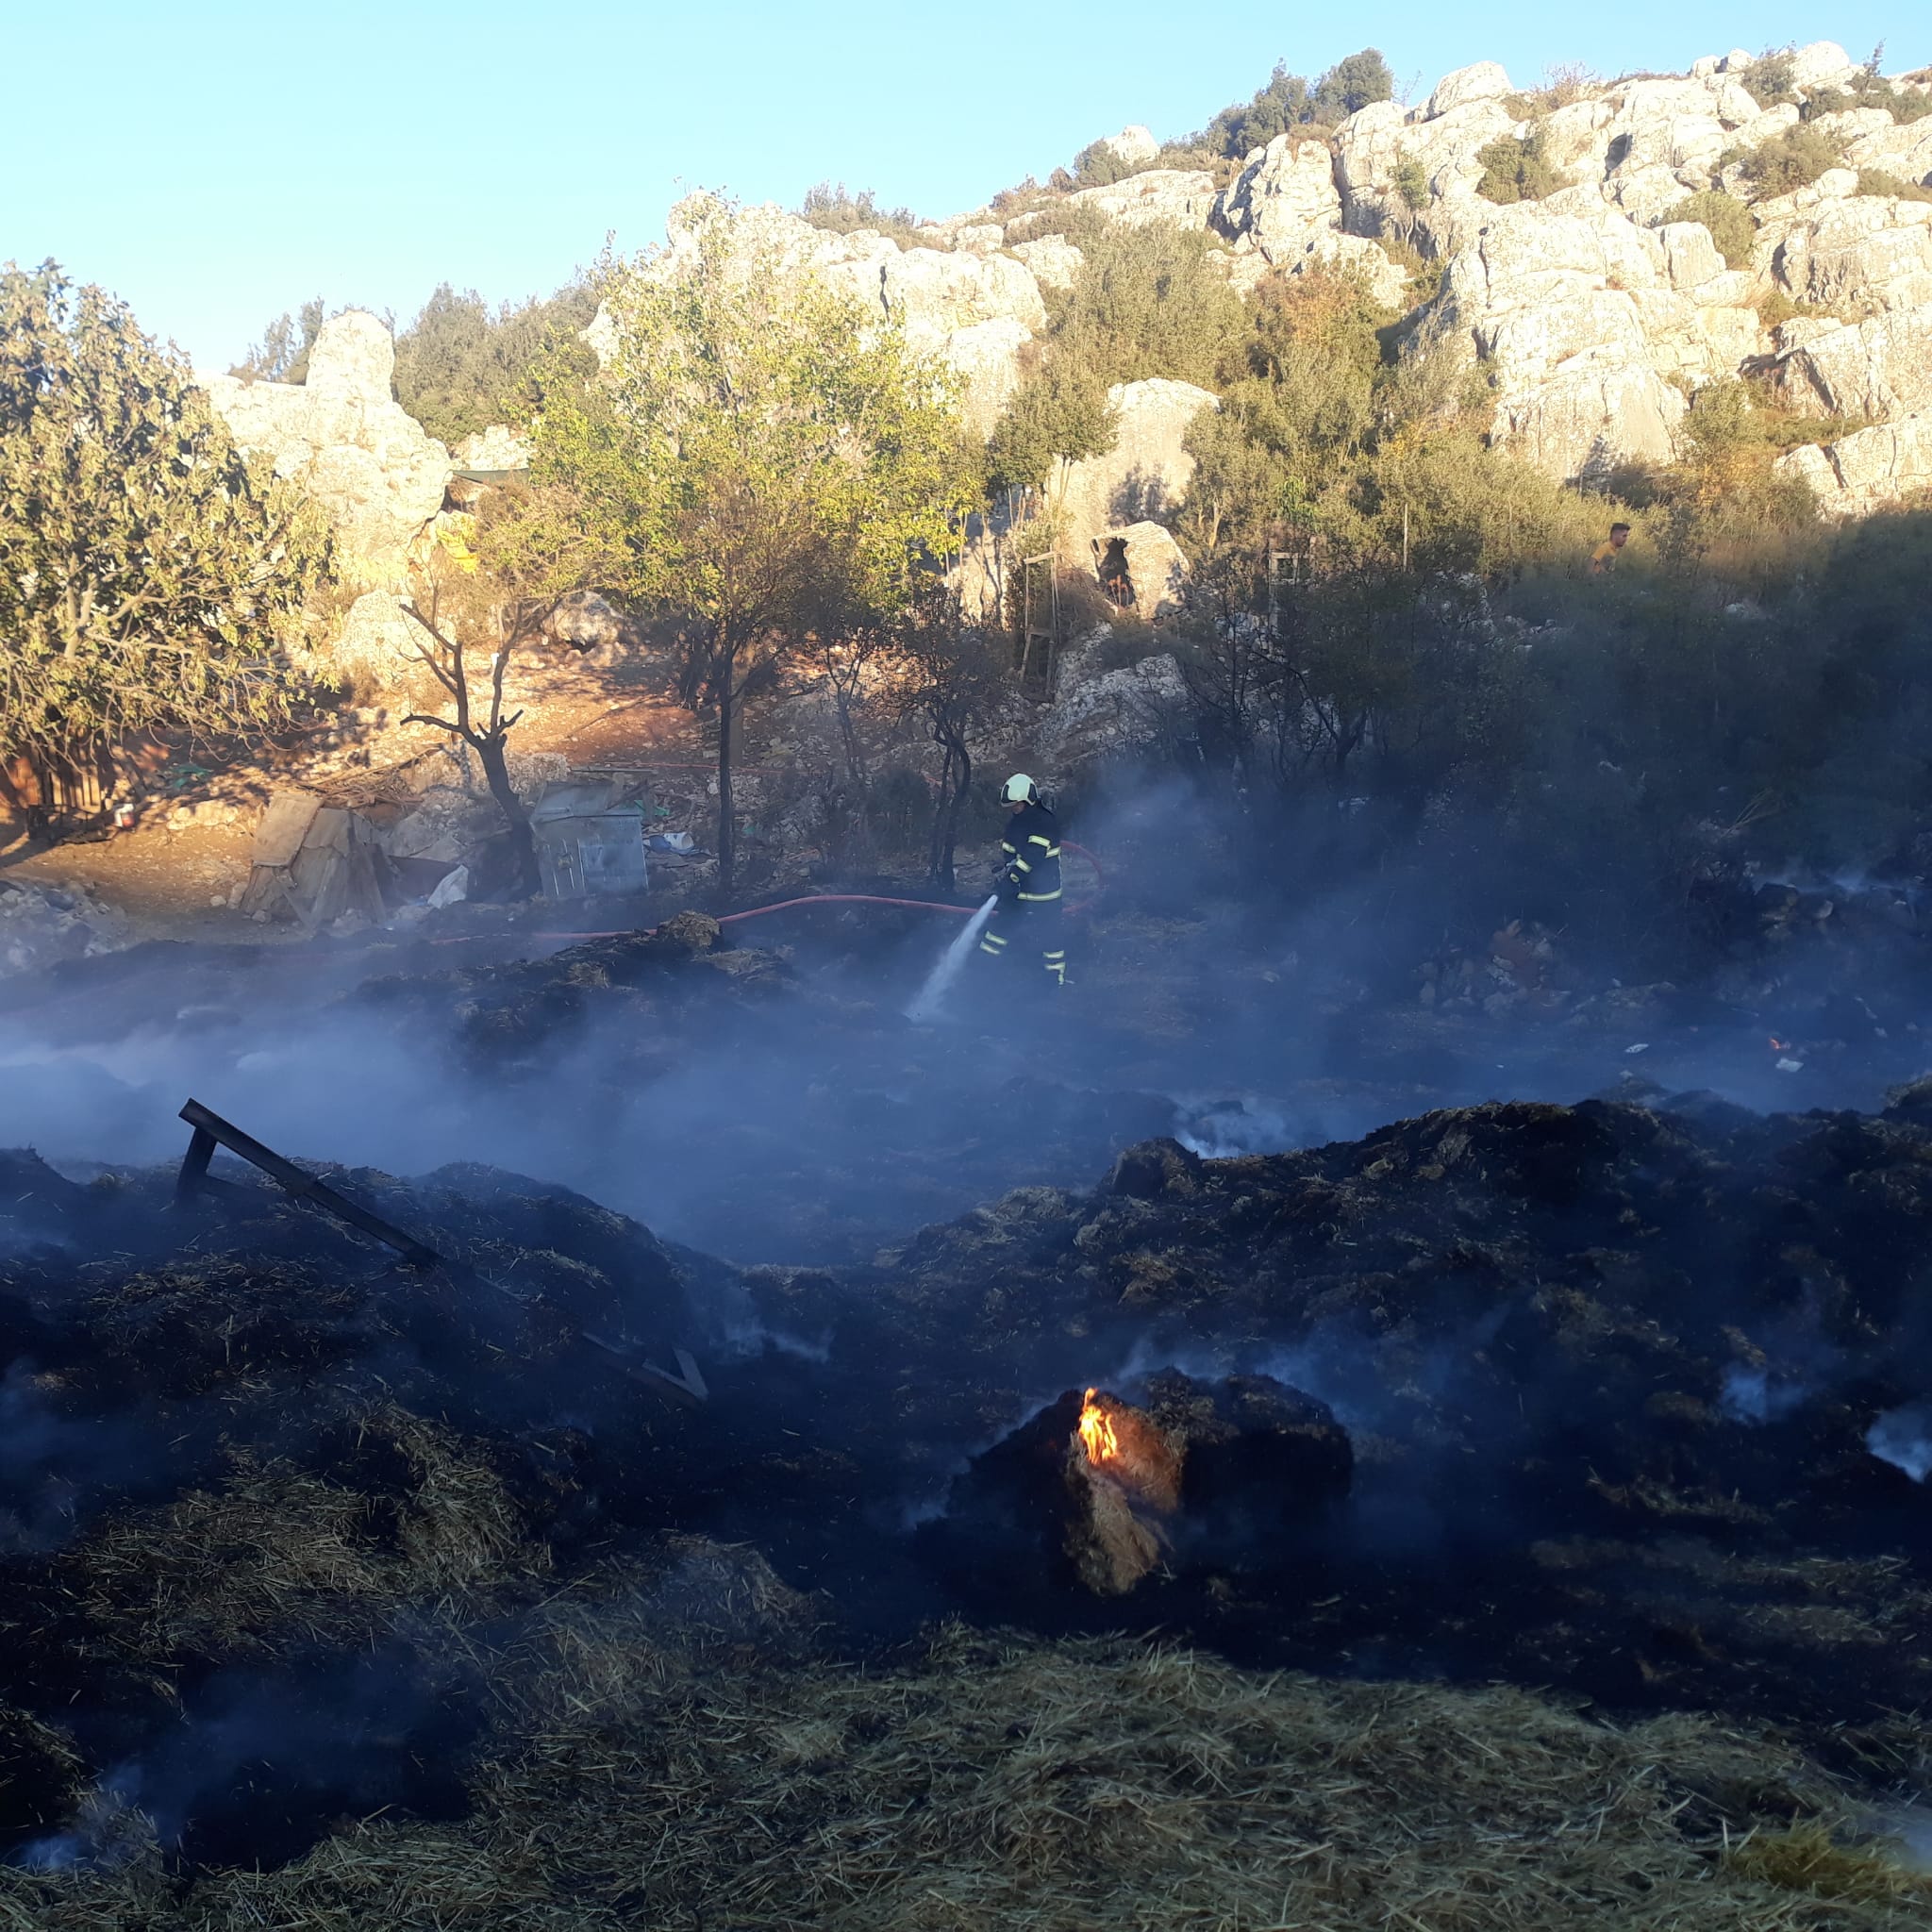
[[938, 982]]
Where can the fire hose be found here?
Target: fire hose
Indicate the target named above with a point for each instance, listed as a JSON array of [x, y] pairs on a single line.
[[810, 899]]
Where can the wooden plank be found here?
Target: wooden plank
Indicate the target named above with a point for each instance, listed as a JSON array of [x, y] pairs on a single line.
[[284, 826], [686, 1385], [306, 1187]]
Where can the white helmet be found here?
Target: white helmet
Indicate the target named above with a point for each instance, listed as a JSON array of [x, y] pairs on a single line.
[[1018, 789]]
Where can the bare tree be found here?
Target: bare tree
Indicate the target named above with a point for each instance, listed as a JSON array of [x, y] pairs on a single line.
[[493, 583]]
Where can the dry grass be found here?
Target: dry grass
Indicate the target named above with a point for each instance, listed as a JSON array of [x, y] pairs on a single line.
[[278, 1558], [661, 1764]]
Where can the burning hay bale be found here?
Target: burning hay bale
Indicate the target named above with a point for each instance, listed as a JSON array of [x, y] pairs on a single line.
[[1101, 1492]]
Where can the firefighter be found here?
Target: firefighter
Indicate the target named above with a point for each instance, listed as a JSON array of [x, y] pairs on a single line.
[[1028, 914]]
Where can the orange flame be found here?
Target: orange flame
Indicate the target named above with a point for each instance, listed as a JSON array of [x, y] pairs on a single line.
[[1096, 1430], [1778, 1045]]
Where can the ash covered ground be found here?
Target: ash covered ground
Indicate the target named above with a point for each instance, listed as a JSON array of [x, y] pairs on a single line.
[[1551, 1423]]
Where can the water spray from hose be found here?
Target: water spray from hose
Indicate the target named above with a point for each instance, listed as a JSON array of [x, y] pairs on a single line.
[[938, 982]]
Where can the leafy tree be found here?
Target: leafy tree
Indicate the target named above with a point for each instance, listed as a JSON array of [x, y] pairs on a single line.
[[1728, 220], [1770, 80], [1100, 164], [1059, 415], [459, 366], [492, 585], [151, 577], [1353, 84], [1722, 493], [1288, 102], [1881, 181], [1146, 303], [282, 354], [772, 458]]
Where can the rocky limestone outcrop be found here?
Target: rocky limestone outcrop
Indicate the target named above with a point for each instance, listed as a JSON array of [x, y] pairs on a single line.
[[1283, 192], [497, 448], [1184, 196], [976, 305], [1145, 475], [1053, 260], [1879, 369], [1157, 570], [376, 642], [1903, 149], [344, 438], [1867, 470], [1583, 327], [1283, 213], [1135, 145], [1855, 253], [1098, 714]]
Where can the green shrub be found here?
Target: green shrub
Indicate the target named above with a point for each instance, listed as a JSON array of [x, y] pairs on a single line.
[[1727, 216], [1516, 170], [1409, 180], [834, 207], [1100, 164], [1769, 80], [1878, 182], [1793, 160]]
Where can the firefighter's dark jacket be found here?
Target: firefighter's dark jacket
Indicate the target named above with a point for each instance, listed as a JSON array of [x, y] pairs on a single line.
[[1032, 848]]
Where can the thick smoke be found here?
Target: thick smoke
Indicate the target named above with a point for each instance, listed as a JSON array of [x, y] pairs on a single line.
[[1903, 1437]]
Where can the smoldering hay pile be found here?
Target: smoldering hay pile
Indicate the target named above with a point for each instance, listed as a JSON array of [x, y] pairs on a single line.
[[1518, 1509]]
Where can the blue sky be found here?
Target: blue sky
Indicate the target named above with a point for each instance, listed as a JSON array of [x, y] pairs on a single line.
[[217, 164]]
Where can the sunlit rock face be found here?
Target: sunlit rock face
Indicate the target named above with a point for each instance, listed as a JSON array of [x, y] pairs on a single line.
[[341, 434]]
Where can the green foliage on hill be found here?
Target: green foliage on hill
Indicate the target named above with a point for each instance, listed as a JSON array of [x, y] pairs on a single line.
[[1146, 302], [1789, 161], [151, 577], [1727, 219], [1881, 181], [833, 206], [1288, 102], [460, 364], [1517, 170], [1770, 79], [282, 354], [1100, 164]]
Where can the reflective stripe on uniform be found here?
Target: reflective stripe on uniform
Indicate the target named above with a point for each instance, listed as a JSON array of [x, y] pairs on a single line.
[[993, 942], [1036, 898], [1020, 864]]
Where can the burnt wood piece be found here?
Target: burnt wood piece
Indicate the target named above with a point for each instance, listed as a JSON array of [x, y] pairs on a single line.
[[208, 1124], [211, 1130]]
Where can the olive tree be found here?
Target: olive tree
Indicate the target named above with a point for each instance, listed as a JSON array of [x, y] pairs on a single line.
[[152, 578], [772, 457]]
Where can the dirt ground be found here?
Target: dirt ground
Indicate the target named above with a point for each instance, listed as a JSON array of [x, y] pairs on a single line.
[[164, 877]]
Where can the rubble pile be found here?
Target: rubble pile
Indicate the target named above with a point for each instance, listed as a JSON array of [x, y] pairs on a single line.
[[43, 925]]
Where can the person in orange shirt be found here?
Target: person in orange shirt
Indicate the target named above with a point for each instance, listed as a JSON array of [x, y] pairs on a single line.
[[1602, 559]]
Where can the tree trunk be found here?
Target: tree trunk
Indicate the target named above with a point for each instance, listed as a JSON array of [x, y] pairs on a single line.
[[728, 823], [942, 803], [961, 787], [523, 840]]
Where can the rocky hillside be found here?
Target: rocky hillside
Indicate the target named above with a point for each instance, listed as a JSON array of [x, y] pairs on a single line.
[[1598, 251]]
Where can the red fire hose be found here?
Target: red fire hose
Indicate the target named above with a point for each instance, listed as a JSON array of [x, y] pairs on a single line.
[[787, 905]]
